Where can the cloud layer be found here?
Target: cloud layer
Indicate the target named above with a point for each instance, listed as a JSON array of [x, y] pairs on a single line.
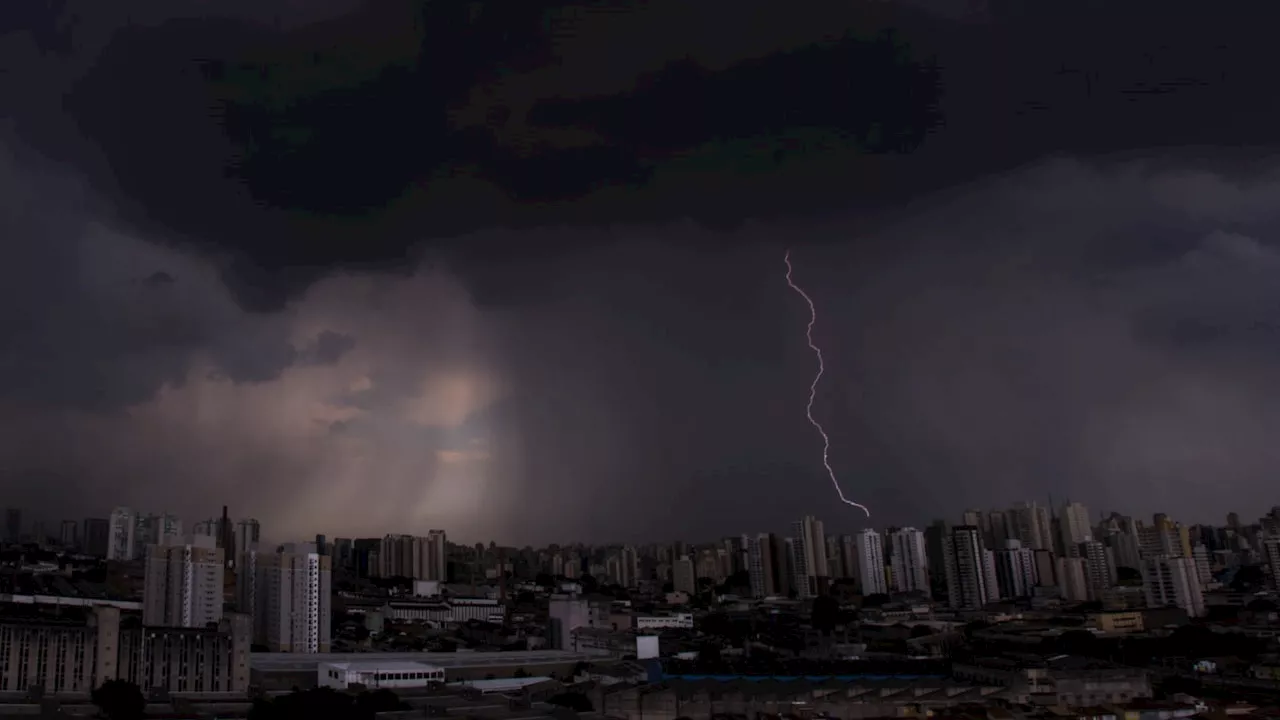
[[1105, 331]]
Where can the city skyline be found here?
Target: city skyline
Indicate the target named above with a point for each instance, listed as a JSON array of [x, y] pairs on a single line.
[[1058, 525]]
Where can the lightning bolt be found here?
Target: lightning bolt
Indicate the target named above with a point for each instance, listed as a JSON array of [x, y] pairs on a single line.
[[813, 387]]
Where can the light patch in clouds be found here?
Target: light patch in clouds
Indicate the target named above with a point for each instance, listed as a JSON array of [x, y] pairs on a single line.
[[448, 400]]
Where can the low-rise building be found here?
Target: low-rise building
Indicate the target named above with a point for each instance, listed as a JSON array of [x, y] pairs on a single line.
[[375, 674], [675, 621], [1060, 680], [1119, 623]]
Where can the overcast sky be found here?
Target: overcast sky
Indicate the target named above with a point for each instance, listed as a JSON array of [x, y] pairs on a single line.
[[357, 271]]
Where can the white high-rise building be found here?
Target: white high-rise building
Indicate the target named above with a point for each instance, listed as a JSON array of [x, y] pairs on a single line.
[[123, 526], [182, 586], [1172, 581], [871, 562], [910, 566], [292, 594]]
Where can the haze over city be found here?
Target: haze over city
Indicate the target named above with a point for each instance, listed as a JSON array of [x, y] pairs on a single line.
[[543, 300]]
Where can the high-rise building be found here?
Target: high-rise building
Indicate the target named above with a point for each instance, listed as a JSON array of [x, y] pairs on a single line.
[[966, 568], [227, 539], [418, 558], [183, 584], [1074, 527], [1099, 570], [1171, 581], [1031, 525], [13, 524], [123, 527], [248, 534], [1072, 579], [909, 561], [935, 539], [1271, 555], [810, 547], [1015, 570], [622, 567], [343, 555], [760, 565], [156, 530], [292, 594], [247, 577], [683, 576], [95, 539], [68, 535], [437, 566], [870, 548], [1046, 568]]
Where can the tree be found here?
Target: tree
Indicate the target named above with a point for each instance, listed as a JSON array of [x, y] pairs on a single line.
[[709, 654], [520, 673], [875, 600], [120, 700], [825, 615], [588, 583], [325, 703], [369, 704], [919, 631], [544, 580], [1077, 642], [576, 702]]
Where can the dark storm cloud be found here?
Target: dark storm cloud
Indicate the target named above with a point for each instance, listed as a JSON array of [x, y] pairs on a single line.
[[82, 331], [974, 357], [302, 142], [1102, 329]]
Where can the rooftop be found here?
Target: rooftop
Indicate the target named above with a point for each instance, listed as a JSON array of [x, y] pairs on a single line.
[[381, 665], [309, 661]]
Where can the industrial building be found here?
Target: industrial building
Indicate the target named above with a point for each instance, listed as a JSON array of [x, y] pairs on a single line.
[[284, 671]]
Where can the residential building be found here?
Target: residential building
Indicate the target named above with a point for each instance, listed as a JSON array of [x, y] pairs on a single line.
[[810, 556], [71, 654], [1172, 581], [1015, 570], [966, 568], [292, 593], [182, 585], [123, 527], [870, 549], [909, 561], [1072, 579]]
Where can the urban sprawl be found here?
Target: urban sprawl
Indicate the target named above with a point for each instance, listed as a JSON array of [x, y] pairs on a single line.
[[1034, 611]]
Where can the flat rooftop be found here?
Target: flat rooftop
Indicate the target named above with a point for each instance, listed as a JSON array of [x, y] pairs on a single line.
[[267, 662], [361, 665]]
